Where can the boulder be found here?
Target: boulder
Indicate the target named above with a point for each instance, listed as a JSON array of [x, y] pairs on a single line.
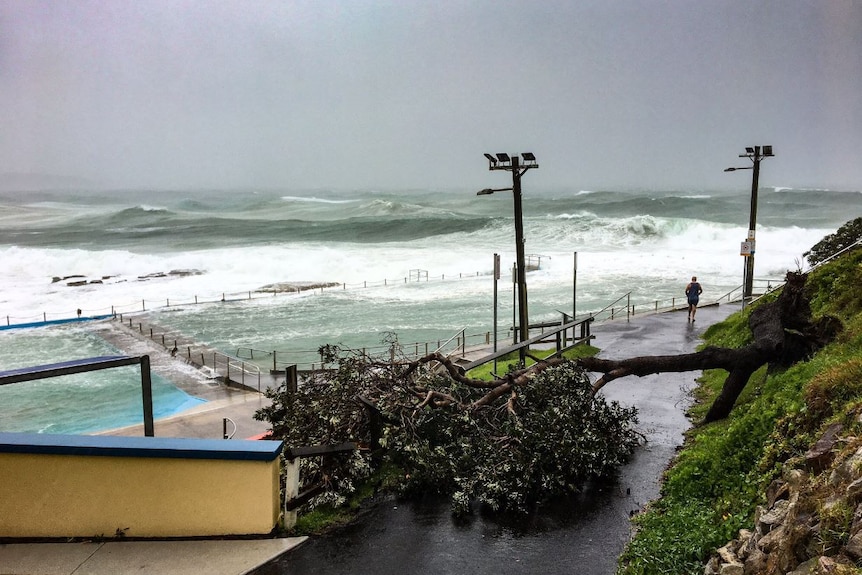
[[820, 455]]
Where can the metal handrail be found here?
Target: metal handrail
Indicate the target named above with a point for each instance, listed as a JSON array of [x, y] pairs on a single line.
[[460, 334]]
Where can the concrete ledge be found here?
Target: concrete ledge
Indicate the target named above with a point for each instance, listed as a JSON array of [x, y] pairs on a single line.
[[111, 446]]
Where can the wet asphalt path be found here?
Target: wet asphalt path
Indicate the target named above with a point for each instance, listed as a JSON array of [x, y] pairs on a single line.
[[584, 536]]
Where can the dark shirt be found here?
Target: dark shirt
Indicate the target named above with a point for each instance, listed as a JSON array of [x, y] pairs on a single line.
[[693, 292]]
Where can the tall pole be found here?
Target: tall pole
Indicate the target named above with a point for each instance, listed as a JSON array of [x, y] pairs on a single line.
[[752, 223], [575, 288], [496, 279], [513, 164], [523, 317], [755, 154]]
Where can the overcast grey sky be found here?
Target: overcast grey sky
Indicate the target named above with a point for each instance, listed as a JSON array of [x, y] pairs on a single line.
[[410, 93]]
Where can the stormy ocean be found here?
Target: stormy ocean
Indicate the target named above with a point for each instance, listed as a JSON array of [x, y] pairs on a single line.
[[416, 264]]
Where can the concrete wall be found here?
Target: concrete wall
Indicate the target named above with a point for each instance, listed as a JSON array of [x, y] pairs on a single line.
[[90, 486]]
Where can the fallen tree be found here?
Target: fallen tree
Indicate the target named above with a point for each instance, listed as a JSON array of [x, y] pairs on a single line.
[[509, 445], [513, 442], [783, 333]]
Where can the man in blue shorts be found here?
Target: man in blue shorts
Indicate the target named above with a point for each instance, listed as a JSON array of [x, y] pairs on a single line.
[[693, 291]]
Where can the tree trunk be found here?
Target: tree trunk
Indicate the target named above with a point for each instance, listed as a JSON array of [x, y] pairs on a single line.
[[782, 333]]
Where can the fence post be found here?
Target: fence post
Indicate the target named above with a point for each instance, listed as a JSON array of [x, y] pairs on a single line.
[[291, 378], [291, 490]]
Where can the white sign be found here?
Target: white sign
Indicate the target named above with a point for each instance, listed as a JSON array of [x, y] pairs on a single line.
[[746, 248], [751, 235]]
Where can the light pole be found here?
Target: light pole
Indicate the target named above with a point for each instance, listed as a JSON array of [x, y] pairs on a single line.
[[755, 154], [513, 164]]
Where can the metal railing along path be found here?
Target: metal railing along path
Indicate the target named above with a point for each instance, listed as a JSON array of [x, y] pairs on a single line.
[[215, 364]]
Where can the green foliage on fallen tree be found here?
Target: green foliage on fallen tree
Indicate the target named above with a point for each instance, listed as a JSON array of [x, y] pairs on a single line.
[[545, 437], [545, 443]]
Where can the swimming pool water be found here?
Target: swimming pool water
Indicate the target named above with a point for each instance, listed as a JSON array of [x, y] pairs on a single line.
[[81, 403]]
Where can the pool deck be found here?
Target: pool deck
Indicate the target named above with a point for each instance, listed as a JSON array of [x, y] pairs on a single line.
[[202, 421]]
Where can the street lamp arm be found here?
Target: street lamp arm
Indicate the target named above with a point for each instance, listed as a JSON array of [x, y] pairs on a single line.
[[734, 169], [489, 191]]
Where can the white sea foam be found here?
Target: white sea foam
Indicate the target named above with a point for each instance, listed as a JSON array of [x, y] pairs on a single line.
[[315, 200]]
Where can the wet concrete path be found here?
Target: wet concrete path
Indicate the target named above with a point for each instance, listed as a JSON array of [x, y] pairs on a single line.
[[584, 536]]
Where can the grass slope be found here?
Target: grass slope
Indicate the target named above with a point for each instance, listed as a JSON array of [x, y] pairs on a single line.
[[717, 480]]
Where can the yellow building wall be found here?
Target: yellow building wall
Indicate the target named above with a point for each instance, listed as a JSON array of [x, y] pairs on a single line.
[[47, 495]]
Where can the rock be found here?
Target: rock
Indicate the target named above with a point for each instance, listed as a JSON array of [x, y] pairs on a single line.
[[853, 548], [770, 542], [746, 544], [732, 569], [773, 517], [856, 526], [755, 563], [727, 554], [827, 564], [809, 567], [848, 470], [854, 491], [778, 489], [819, 457], [712, 566]]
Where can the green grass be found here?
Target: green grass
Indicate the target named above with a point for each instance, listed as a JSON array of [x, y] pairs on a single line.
[[510, 361], [718, 479], [328, 517]]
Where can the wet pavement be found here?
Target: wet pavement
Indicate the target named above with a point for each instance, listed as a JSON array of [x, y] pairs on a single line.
[[583, 536]]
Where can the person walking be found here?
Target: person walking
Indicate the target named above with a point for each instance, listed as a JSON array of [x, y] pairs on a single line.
[[693, 291]]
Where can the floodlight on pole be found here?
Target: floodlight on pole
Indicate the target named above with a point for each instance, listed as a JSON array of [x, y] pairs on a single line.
[[512, 164], [755, 154]]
